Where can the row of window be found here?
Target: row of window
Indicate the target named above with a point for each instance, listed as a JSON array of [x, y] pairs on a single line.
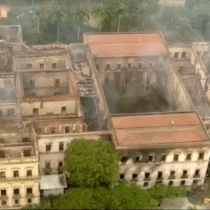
[[183, 55], [29, 191], [118, 67], [10, 112], [171, 183], [36, 110], [160, 175], [26, 153], [48, 168], [61, 147], [32, 83], [41, 66], [16, 174], [68, 129], [16, 202], [151, 158]]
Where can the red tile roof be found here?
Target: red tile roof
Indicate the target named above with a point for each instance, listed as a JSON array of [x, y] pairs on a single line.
[[114, 45], [148, 130]]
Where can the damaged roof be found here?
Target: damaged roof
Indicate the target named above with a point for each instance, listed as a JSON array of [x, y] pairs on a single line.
[[159, 129], [126, 44]]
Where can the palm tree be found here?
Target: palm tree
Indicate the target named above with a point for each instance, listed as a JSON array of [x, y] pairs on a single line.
[[123, 9], [99, 11], [80, 15]]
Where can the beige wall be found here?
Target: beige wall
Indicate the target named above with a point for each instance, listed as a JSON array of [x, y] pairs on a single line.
[[21, 63], [48, 107], [22, 182], [131, 167]]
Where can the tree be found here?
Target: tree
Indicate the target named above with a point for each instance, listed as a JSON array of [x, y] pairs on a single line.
[[80, 15], [99, 11], [129, 196], [91, 163]]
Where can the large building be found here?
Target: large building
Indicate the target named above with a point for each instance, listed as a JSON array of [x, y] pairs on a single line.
[[52, 94], [169, 148]]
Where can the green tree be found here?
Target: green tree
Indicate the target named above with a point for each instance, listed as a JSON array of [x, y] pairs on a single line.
[[91, 163], [80, 14]]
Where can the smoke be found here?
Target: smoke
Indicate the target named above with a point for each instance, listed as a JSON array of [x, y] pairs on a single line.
[[140, 94]]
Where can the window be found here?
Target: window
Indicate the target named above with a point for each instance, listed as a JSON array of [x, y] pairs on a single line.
[[32, 83], [29, 172], [118, 66], [29, 66], [52, 130], [176, 157], [201, 156], [15, 173], [107, 66], [2, 175], [150, 65], [3, 192], [3, 203], [25, 139], [16, 201], [146, 184], [61, 146], [67, 129], [106, 79], [124, 159], [48, 148], [57, 83], [147, 175], [29, 191], [163, 158], [176, 54], [54, 65], [129, 65], [29, 200], [16, 191], [122, 176], [183, 54], [60, 164], [63, 109], [1, 114], [47, 165], [140, 66], [183, 183], [184, 175], [35, 111], [27, 153], [1, 141], [2, 154], [138, 158], [172, 175], [41, 66], [10, 112], [97, 67], [135, 177], [160, 173], [197, 173], [150, 158], [195, 182], [170, 183], [188, 157]]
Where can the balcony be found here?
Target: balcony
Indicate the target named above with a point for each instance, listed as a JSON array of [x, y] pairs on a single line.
[[18, 196], [171, 177], [147, 179], [4, 197], [47, 171], [18, 178], [184, 176], [159, 178], [29, 195], [19, 160], [196, 176]]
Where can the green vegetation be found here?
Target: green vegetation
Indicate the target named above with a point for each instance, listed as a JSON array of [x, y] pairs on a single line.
[[121, 196], [161, 191], [91, 163], [65, 21]]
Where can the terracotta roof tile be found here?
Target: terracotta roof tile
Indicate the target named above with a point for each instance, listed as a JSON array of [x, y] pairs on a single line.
[[111, 45], [151, 130]]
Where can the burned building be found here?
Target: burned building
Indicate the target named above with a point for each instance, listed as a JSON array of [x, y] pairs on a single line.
[[136, 72], [169, 148]]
